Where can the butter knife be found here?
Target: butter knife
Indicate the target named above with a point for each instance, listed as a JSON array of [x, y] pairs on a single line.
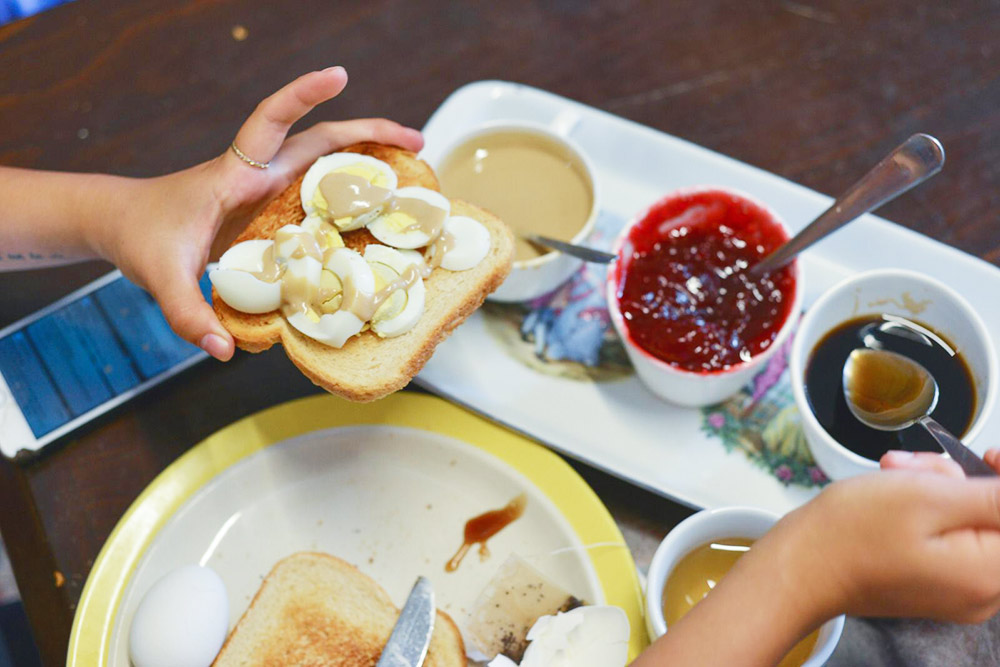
[[407, 645]]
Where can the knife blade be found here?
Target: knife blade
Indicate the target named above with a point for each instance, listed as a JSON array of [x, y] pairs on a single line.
[[407, 645]]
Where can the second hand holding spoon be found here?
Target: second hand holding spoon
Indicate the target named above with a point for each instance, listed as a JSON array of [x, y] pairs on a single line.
[[889, 392]]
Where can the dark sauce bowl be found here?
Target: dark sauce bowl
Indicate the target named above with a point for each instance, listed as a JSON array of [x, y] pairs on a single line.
[[843, 449], [696, 324]]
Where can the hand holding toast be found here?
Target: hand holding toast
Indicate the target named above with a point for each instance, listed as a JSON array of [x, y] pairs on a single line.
[[190, 216], [162, 231]]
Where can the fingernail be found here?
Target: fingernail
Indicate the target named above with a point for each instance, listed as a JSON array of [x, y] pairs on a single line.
[[215, 345], [335, 67]]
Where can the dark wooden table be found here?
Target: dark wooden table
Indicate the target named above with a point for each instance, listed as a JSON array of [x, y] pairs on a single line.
[[813, 92]]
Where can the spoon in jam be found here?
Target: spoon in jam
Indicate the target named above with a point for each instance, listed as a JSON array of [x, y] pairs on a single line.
[[889, 392], [913, 162]]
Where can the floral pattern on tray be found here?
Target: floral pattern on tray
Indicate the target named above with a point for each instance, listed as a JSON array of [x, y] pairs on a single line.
[[567, 332], [762, 422]]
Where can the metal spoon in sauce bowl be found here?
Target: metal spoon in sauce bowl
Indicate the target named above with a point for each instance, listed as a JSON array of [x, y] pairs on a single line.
[[889, 392], [913, 162]]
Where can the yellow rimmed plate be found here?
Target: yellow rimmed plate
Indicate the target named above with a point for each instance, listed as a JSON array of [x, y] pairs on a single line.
[[386, 485]]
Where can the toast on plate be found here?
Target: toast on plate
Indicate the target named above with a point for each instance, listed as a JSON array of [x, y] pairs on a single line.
[[318, 610], [369, 367]]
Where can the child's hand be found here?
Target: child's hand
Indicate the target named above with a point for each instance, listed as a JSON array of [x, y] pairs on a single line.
[[919, 542], [931, 462], [171, 226], [900, 543]]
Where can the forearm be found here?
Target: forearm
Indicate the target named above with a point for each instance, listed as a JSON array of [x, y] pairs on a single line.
[[49, 218], [754, 616]]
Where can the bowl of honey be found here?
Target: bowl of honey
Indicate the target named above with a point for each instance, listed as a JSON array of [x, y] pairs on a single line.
[[538, 181], [899, 311], [697, 554], [696, 321]]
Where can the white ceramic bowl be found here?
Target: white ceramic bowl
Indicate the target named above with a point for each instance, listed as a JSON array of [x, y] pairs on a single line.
[[531, 278], [701, 528], [680, 386], [891, 292]]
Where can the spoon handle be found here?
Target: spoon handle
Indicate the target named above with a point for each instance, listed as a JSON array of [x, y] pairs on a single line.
[[579, 251], [960, 454], [913, 162]]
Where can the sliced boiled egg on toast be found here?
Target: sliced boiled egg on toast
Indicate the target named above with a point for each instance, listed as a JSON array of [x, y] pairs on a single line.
[[368, 184], [402, 307], [295, 241], [344, 276], [236, 283], [466, 243], [333, 329], [325, 234], [413, 220]]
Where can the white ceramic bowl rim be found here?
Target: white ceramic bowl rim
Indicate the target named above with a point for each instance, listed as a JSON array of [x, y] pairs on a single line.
[[543, 130], [799, 358], [614, 307]]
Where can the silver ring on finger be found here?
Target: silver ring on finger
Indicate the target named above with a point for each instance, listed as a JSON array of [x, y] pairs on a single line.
[[246, 158]]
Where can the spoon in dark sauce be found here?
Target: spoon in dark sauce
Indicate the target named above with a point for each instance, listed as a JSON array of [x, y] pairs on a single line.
[[889, 392]]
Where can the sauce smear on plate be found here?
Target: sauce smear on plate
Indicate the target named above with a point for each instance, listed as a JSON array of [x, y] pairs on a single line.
[[480, 528]]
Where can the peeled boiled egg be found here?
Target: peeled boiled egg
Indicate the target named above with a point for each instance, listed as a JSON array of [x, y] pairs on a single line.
[[333, 329], [404, 307], [354, 276], [589, 636], [306, 269], [403, 226], [371, 169], [469, 243], [238, 287], [181, 620], [352, 269], [295, 241], [325, 233]]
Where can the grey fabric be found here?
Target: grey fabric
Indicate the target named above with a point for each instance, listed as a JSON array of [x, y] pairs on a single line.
[[884, 642]]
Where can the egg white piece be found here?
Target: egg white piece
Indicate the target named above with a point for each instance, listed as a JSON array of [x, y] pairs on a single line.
[[348, 264], [415, 294], [245, 293], [287, 248], [313, 224], [181, 620], [471, 243], [306, 268], [337, 161], [392, 227], [589, 636], [333, 329], [246, 256]]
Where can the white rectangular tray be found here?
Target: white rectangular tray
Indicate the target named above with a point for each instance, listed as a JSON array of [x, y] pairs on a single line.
[[618, 426]]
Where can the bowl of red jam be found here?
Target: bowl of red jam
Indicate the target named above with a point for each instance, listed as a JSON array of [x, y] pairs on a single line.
[[697, 323]]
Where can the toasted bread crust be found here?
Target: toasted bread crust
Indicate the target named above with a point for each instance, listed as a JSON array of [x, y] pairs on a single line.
[[316, 609], [368, 367]]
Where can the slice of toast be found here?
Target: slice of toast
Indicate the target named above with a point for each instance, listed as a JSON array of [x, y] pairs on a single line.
[[318, 610], [368, 367]]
